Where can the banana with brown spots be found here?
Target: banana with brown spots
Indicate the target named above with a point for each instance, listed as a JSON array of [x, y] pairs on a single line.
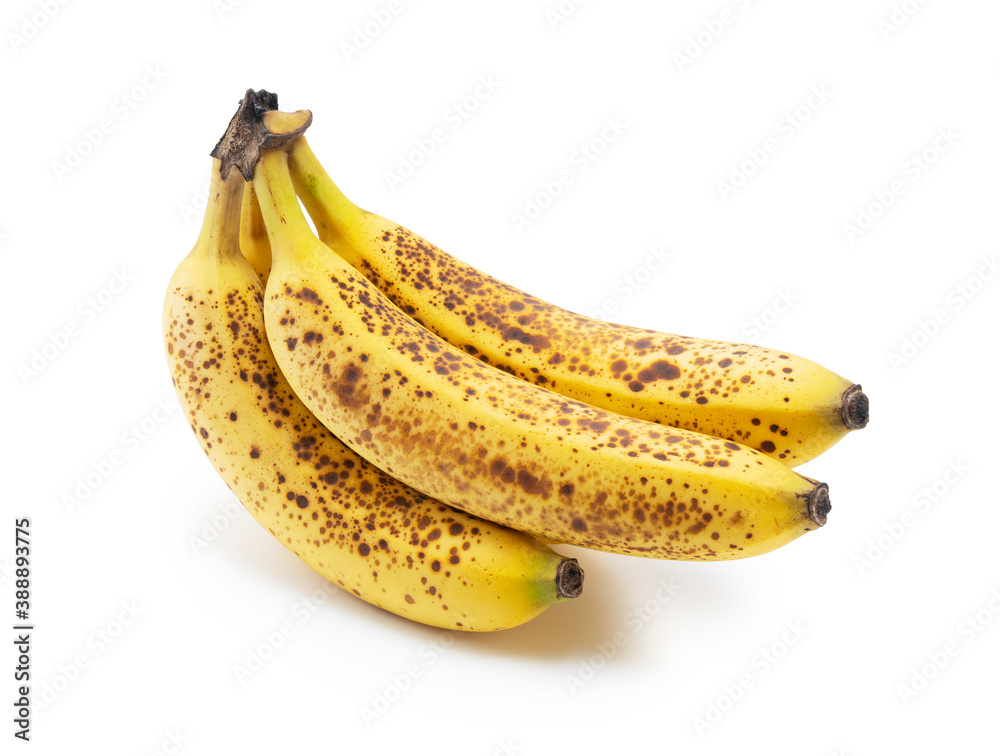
[[785, 406], [353, 524], [488, 443]]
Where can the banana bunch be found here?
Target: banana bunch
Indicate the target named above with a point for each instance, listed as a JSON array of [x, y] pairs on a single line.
[[420, 433], [360, 528]]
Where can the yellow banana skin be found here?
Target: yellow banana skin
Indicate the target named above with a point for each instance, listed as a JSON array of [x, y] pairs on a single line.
[[351, 523], [488, 443], [783, 405]]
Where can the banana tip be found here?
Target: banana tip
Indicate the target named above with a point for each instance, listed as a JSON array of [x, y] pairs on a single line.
[[819, 504], [854, 408], [569, 579]]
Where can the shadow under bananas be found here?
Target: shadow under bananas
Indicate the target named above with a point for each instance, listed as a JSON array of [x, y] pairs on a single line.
[[565, 630]]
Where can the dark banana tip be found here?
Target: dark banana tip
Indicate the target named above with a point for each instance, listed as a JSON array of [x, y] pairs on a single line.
[[819, 504], [854, 408], [569, 579]]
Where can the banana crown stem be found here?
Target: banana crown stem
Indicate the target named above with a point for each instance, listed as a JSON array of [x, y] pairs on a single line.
[[249, 132]]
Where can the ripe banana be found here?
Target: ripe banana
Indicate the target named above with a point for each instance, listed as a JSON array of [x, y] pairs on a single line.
[[488, 443], [356, 526], [785, 406]]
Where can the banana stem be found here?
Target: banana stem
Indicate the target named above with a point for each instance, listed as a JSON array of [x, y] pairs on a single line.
[[287, 227], [329, 208], [220, 231], [251, 221], [249, 131], [253, 234]]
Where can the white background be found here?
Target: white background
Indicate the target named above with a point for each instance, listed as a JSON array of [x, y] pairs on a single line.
[[139, 631]]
